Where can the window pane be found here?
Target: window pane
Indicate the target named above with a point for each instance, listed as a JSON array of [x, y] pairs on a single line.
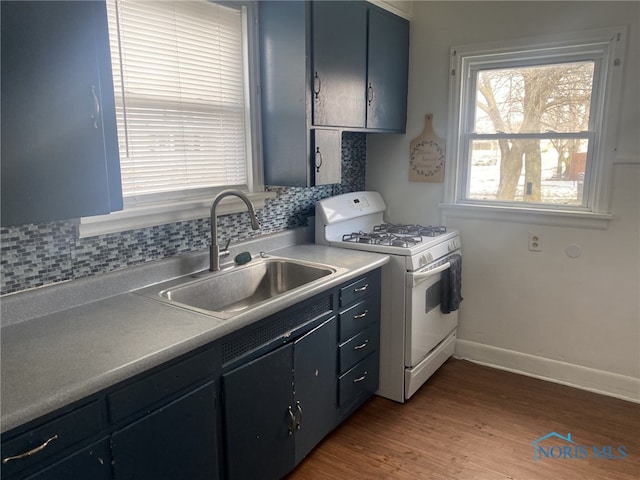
[[532, 171], [534, 99]]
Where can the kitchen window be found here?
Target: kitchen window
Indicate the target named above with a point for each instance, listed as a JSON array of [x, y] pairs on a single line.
[[533, 126], [184, 77]]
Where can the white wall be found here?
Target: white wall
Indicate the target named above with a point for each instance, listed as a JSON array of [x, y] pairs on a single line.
[[575, 321]]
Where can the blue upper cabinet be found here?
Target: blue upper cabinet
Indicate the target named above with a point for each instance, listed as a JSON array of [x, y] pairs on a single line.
[[285, 93], [327, 67], [339, 64], [388, 66], [59, 142], [360, 67]]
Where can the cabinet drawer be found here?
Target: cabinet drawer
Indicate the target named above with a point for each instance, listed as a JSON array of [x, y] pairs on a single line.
[[357, 348], [51, 438], [356, 290], [361, 379], [358, 317], [92, 463], [160, 385]]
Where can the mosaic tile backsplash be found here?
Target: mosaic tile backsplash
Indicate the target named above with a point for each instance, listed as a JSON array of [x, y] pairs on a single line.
[[36, 255]]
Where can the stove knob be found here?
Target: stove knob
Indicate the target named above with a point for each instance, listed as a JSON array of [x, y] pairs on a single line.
[[429, 258], [423, 260]]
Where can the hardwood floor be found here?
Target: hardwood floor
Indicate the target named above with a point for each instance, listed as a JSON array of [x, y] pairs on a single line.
[[473, 422]]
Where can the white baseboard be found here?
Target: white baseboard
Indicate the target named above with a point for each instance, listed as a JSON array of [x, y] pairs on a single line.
[[598, 381]]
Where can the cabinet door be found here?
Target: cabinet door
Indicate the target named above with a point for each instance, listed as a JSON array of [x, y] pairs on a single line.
[[259, 417], [315, 378], [286, 97], [327, 156], [339, 63], [176, 441], [91, 463], [387, 71], [59, 146]]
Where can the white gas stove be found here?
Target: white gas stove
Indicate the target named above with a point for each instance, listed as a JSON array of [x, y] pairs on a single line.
[[416, 336]]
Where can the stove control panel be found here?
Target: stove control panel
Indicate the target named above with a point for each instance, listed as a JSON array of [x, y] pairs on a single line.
[[435, 254], [358, 202], [425, 259], [453, 245]]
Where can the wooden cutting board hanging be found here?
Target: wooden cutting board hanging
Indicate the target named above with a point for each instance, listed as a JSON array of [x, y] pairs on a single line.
[[426, 162]]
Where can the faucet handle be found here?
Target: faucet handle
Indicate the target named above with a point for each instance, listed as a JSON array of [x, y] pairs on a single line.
[[225, 251]]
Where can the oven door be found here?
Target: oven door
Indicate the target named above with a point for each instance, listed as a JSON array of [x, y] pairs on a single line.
[[426, 325]]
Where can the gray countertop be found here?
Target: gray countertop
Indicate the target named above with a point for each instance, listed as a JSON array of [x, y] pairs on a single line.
[[54, 359]]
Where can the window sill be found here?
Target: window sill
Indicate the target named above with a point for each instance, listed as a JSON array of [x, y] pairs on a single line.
[[149, 215], [562, 218]]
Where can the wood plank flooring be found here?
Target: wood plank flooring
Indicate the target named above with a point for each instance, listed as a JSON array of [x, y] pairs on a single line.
[[473, 422]]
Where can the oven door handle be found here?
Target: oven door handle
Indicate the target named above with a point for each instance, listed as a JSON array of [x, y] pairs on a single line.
[[420, 277]]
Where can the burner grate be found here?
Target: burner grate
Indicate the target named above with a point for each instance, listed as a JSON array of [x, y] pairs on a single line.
[[388, 234], [410, 229], [387, 239]]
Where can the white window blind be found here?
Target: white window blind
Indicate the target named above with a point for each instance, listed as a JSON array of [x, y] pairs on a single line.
[[179, 70]]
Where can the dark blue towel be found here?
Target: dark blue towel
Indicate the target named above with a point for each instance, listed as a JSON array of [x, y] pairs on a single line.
[[451, 288]]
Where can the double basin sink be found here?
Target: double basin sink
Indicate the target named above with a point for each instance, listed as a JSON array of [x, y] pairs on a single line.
[[238, 288]]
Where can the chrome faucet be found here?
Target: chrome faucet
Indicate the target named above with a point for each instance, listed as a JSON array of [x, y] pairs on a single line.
[[214, 252]]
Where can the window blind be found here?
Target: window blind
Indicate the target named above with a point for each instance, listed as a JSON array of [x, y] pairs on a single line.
[[179, 76]]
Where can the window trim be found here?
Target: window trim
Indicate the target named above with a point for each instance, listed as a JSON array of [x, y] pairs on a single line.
[[160, 209], [612, 41]]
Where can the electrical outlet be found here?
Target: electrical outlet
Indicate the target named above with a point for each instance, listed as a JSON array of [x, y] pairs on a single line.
[[535, 242]]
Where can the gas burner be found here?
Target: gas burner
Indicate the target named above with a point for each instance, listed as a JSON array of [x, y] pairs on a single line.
[[382, 238], [404, 240], [414, 230]]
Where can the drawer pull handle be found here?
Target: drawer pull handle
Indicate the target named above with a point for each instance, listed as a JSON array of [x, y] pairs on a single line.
[[30, 452], [359, 379], [362, 288], [293, 420], [362, 345], [362, 315], [299, 422]]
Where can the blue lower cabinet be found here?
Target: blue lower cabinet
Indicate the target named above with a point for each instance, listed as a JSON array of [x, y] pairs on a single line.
[[279, 406], [250, 405], [179, 440]]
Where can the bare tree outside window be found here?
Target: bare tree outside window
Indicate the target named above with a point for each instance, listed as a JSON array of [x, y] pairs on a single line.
[[530, 136]]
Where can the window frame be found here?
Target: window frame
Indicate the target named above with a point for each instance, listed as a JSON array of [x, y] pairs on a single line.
[[169, 207], [605, 46]]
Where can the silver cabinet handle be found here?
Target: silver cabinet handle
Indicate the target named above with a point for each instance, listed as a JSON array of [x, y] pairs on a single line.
[[96, 107], [362, 345], [299, 422], [293, 420], [359, 379], [370, 93], [362, 288], [318, 159], [30, 452], [316, 85], [361, 315]]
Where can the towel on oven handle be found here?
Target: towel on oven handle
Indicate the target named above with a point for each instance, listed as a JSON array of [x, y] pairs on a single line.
[[451, 289]]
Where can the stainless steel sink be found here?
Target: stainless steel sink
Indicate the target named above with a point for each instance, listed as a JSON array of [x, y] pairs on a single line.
[[229, 292]]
